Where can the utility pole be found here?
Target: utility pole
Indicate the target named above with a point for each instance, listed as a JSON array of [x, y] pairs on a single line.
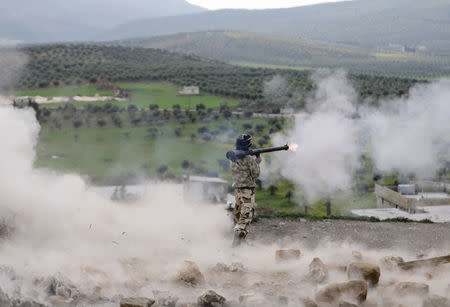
[[328, 205]]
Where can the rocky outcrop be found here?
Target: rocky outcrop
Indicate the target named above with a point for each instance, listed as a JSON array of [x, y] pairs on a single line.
[[364, 271]]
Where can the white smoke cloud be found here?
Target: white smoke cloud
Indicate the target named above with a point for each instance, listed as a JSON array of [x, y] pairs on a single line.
[[326, 136], [411, 134], [406, 135]]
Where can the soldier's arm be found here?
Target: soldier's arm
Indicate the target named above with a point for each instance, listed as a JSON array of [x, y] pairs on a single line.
[[254, 168]]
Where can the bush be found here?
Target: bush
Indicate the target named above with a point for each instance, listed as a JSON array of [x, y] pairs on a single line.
[[77, 123], [163, 168]]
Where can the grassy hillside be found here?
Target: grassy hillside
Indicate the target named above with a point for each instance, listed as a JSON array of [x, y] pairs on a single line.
[[73, 65], [242, 47]]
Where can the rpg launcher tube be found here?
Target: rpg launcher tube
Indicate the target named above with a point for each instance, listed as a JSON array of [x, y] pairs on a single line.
[[256, 152], [235, 155]]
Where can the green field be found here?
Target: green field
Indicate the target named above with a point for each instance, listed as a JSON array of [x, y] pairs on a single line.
[[163, 94], [109, 152], [64, 91]]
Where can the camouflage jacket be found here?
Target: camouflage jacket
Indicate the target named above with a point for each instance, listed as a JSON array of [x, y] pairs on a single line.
[[245, 171]]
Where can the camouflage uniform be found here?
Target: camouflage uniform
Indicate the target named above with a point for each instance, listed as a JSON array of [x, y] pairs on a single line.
[[245, 171]]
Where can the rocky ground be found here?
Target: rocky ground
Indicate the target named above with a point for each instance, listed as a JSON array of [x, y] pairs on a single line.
[[417, 238], [333, 263]]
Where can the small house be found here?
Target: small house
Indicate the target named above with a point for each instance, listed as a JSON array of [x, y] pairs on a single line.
[[189, 91]]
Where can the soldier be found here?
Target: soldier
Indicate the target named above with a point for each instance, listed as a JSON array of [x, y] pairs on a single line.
[[245, 171]]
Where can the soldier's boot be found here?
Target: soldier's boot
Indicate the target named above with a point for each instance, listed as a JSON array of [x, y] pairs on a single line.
[[238, 239]]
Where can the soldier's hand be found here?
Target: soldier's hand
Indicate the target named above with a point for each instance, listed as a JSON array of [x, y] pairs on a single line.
[[258, 159]]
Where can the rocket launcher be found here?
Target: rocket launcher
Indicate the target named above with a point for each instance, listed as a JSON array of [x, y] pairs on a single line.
[[234, 155]]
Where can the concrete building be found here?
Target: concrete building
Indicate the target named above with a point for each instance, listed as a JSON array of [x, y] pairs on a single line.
[[205, 189], [409, 197], [416, 201], [189, 91]]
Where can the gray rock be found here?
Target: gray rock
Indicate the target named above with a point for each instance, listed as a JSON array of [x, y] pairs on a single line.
[[436, 301], [190, 274], [4, 299], [164, 298], [61, 286], [364, 271], [211, 298], [355, 290], [20, 303], [307, 302], [318, 271], [136, 302], [412, 288]]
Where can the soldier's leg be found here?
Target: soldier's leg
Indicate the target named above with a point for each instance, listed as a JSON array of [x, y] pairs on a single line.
[[246, 212], [237, 205]]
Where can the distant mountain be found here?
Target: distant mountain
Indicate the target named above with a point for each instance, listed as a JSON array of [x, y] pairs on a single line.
[[364, 23], [69, 20], [233, 46]]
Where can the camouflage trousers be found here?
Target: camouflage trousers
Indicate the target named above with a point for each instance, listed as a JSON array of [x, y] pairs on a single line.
[[243, 210]]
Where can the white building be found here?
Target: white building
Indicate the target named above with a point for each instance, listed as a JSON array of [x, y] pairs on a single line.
[[189, 91]]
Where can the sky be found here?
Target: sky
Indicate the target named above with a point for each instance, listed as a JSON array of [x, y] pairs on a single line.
[[254, 4]]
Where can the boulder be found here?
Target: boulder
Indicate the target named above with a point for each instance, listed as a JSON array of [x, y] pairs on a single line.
[[59, 301], [364, 271], [355, 290], [221, 267], [252, 299], [283, 255], [370, 303], [357, 255], [60, 286], [391, 262], [211, 298], [164, 298], [237, 267], [436, 301], [20, 303], [307, 302], [190, 274], [4, 299], [339, 267], [136, 302], [318, 271], [412, 288]]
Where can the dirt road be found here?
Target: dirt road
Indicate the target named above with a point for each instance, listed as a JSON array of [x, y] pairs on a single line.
[[415, 237]]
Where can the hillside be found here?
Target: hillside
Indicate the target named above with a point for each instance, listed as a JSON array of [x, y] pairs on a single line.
[[60, 65], [364, 23], [260, 49], [53, 20]]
